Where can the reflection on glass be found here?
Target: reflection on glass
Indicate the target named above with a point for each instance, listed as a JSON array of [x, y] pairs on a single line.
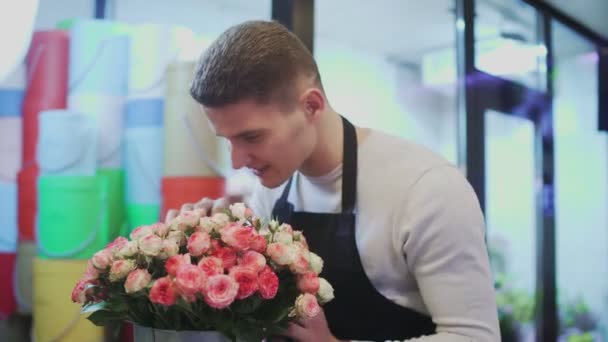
[[581, 198], [403, 86], [511, 220], [506, 43]]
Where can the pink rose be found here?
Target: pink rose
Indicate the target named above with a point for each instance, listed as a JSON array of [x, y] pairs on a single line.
[[141, 232], [307, 306], [81, 293], [160, 229], [151, 245], [211, 266], [228, 256], [237, 236], [163, 292], [258, 243], [280, 253], [253, 260], [220, 291], [247, 280], [199, 243], [268, 283], [137, 280], [121, 268], [185, 220], [308, 282], [90, 273], [169, 249], [127, 250], [189, 279], [102, 259], [300, 264], [117, 244], [173, 263]]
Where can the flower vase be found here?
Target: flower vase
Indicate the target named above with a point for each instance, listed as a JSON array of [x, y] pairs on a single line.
[[146, 334]]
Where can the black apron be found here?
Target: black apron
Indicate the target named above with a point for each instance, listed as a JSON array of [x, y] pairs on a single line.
[[358, 311]]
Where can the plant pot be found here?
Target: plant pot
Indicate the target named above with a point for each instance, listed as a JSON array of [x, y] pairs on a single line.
[[145, 334]]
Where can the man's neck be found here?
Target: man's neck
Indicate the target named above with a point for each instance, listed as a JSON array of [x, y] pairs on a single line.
[[328, 150]]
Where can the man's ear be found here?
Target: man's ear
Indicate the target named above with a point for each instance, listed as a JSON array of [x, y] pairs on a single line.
[[313, 103]]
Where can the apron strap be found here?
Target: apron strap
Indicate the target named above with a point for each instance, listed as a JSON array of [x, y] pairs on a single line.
[[349, 173]]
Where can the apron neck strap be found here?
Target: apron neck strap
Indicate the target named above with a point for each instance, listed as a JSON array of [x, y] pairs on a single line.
[[349, 170]]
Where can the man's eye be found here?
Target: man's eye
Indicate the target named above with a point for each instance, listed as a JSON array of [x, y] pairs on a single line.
[[252, 138]]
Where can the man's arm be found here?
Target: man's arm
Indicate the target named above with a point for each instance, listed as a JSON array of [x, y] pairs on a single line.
[[444, 247]]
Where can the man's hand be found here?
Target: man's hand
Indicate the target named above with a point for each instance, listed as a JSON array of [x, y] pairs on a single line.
[[208, 205], [310, 330]]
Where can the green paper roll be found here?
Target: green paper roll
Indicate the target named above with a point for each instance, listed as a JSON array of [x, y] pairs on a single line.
[[66, 24], [142, 214], [72, 220], [113, 181]]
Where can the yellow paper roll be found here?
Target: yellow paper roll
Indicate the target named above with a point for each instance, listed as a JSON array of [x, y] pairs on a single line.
[[23, 276], [56, 318], [191, 148]]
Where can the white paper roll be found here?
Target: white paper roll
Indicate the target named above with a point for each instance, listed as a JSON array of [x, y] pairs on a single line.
[[66, 143], [153, 48], [8, 217], [144, 164], [15, 80], [108, 112], [10, 148]]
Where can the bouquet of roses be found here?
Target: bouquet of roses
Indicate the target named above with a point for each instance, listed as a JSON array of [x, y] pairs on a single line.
[[229, 272]]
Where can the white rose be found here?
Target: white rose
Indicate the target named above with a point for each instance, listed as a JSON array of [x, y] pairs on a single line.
[[316, 263], [273, 225], [207, 224], [220, 219], [238, 210], [283, 237], [326, 291], [151, 245], [178, 237], [169, 249]]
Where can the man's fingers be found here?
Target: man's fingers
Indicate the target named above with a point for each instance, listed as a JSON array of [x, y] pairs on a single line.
[[171, 214], [295, 332]]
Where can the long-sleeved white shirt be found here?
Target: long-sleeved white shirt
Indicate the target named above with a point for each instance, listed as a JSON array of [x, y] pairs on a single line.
[[419, 231]]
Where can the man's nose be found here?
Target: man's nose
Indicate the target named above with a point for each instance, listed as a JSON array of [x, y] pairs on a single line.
[[240, 158]]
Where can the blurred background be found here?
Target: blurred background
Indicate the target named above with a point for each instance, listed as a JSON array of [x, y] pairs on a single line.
[[99, 135]]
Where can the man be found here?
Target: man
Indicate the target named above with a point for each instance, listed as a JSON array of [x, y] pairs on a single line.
[[399, 228]]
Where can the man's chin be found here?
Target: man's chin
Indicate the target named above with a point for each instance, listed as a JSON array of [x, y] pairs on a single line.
[[271, 183]]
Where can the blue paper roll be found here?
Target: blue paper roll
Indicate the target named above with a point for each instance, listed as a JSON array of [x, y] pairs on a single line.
[[99, 58], [66, 143], [8, 217], [144, 164], [10, 102], [144, 113]]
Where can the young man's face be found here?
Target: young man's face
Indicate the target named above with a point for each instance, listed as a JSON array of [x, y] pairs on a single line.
[[265, 138]]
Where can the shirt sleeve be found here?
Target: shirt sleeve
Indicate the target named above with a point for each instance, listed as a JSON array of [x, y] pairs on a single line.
[[444, 246]]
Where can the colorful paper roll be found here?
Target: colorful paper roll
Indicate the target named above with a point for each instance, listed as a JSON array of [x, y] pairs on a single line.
[[23, 279], [144, 113], [7, 299], [47, 68], [10, 147], [71, 217], [179, 190], [56, 318], [142, 214], [12, 90], [153, 47], [144, 164], [191, 147], [108, 112], [27, 195], [99, 58], [67, 143], [113, 185], [8, 217]]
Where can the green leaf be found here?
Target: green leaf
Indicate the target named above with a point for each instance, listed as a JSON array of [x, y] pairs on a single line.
[[93, 307], [105, 317], [247, 305]]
